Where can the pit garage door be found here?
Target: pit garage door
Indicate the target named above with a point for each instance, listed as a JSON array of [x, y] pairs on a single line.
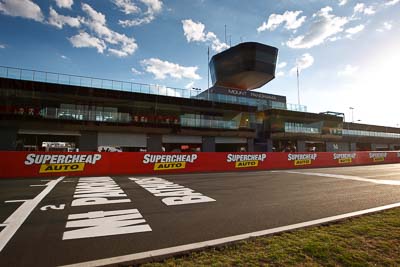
[[122, 140]]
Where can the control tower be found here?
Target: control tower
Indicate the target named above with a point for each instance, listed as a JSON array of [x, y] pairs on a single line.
[[246, 66]]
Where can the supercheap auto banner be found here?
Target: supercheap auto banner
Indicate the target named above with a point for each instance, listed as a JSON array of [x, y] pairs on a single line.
[[41, 164]]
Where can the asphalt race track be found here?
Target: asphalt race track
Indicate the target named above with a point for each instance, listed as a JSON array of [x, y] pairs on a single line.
[[94, 221]]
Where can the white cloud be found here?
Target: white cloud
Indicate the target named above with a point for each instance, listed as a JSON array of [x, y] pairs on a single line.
[[363, 9], [64, 57], [359, 8], [65, 3], [391, 2], [216, 44], [59, 21], [342, 2], [83, 39], [348, 70], [335, 38], [281, 65], [21, 8], [127, 6], [369, 10], [97, 24], [280, 74], [2, 46], [351, 31], [304, 62], [324, 26], [154, 7], [161, 69], [195, 32], [95, 16], [289, 18], [386, 26], [189, 85], [135, 71]]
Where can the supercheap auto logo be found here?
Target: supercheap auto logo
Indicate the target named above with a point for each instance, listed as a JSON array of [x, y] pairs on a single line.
[[169, 162], [377, 156], [61, 163], [246, 161], [344, 158], [302, 159]]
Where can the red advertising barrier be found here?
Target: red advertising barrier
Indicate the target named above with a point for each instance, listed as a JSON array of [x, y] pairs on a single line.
[[42, 164]]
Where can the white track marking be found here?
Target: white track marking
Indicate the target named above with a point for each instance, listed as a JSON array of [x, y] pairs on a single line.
[[385, 174], [19, 216], [48, 182], [214, 242], [347, 177], [16, 200]]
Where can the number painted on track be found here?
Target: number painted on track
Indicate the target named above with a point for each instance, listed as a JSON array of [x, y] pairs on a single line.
[[53, 207]]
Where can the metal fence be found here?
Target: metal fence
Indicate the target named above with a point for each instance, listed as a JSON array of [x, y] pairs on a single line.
[[66, 79]]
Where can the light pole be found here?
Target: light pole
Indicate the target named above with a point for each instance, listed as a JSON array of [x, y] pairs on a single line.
[[196, 90], [352, 114]]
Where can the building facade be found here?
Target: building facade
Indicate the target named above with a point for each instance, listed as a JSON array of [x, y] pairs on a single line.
[[49, 111]]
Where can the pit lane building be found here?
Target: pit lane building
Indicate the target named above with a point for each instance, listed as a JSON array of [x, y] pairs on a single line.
[[53, 111]]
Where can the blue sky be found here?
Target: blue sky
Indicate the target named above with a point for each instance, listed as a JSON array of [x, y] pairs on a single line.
[[347, 51]]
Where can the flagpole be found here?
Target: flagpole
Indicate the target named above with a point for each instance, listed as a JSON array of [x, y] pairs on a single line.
[[298, 86], [208, 73]]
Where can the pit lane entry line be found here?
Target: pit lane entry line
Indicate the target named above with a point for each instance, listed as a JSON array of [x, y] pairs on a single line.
[[19, 216], [346, 177], [215, 242]]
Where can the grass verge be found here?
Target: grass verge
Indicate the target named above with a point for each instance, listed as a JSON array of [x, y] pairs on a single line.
[[370, 240]]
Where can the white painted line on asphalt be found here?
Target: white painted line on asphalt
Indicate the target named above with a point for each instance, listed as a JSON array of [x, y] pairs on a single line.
[[347, 177], [48, 182], [220, 241], [16, 200], [19, 216], [384, 175]]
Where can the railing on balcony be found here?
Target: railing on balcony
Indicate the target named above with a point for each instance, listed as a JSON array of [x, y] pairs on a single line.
[[76, 80], [66, 79]]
